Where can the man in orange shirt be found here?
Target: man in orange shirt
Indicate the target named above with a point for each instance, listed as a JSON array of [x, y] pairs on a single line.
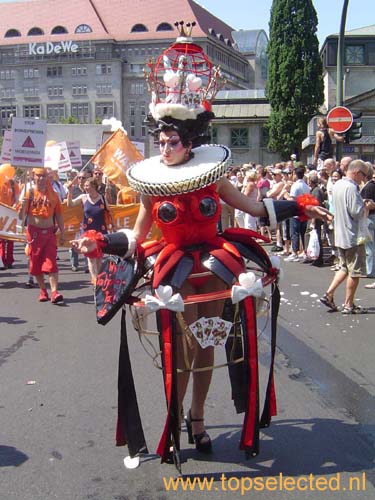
[[42, 209], [9, 193]]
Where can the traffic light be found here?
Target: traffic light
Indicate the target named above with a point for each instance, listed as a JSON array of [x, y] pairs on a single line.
[[355, 131]]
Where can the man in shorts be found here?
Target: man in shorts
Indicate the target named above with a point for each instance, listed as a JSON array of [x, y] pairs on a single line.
[[41, 208], [350, 213]]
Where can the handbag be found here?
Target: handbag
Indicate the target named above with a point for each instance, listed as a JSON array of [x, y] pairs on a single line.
[[313, 248], [114, 285]]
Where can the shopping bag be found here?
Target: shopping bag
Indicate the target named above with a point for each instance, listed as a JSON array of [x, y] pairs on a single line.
[[313, 248]]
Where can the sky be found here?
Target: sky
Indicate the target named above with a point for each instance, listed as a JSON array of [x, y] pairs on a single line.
[[255, 14]]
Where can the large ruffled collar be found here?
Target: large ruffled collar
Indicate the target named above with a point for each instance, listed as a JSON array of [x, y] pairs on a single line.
[[153, 177]]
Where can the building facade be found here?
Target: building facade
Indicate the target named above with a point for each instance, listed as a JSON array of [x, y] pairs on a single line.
[[358, 88], [83, 60]]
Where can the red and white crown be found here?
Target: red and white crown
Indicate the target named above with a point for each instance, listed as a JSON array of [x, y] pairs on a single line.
[[183, 81]]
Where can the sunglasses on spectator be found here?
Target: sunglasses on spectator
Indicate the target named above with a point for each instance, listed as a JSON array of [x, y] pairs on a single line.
[[98, 173]]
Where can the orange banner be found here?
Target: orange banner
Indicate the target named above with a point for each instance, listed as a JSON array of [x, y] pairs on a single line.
[[124, 216], [115, 156]]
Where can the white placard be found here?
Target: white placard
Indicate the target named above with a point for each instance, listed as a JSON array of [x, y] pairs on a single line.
[[52, 156], [6, 150], [57, 157], [64, 159], [28, 142], [74, 149]]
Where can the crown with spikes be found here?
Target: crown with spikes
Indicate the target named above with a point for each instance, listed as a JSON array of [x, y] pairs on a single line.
[[184, 30], [183, 81]]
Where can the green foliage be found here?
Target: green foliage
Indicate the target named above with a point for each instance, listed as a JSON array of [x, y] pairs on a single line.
[[295, 81], [69, 120]]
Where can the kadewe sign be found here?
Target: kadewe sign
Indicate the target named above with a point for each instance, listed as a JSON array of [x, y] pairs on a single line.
[[55, 48], [28, 142]]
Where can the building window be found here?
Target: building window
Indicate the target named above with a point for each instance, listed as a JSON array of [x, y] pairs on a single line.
[[32, 111], [7, 93], [79, 90], [6, 112], [58, 30], [80, 111], [31, 73], [31, 92], [55, 91], [132, 108], [143, 109], [355, 54], [104, 89], [132, 129], [83, 28], [164, 27], [103, 110], [239, 137], [137, 88], [11, 33], [55, 112], [264, 137], [103, 69], [7, 74], [35, 32], [136, 68], [138, 28], [214, 135], [54, 71], [79, 71]]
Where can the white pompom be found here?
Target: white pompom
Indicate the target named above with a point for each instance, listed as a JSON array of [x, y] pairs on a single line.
[[171, 79], [247, 280], [164, 293], [193, 82], [131, 463]]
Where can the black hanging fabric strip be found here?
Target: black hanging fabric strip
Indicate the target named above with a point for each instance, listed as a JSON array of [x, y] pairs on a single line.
[[129, 425], [270, 407]]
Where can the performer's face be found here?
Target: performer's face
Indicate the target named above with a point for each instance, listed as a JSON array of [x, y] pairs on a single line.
[[171, 149]]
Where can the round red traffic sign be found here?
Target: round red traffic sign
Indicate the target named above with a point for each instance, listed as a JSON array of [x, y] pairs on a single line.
[[340, 119]]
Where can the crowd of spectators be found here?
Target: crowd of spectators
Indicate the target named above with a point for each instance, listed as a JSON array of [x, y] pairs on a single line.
[[280, 181], [287, 180]]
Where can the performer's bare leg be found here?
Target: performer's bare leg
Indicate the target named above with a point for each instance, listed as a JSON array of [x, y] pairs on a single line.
[[201, 358]]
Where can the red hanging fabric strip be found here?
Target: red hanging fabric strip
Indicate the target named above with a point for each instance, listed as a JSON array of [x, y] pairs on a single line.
[[250, 431], [166, 326]]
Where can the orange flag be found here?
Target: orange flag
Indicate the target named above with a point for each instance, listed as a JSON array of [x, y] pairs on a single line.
[[115, 156]]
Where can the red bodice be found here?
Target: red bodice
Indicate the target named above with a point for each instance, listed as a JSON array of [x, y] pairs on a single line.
[[188, 219]]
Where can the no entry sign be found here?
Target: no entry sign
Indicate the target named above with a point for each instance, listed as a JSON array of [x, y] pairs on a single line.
[[340, 119]]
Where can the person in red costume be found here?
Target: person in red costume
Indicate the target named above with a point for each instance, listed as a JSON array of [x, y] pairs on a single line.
[[180, 193]]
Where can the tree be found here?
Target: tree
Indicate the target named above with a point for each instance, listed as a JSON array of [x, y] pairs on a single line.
[[295, 80]]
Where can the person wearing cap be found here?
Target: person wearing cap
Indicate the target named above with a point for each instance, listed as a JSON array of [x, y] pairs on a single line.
[[41, 207]]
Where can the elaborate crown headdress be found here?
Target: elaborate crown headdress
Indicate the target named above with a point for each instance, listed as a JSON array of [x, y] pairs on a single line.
[[183, 81]]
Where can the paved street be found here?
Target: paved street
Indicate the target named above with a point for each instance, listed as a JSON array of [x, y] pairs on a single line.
[[57, 434]]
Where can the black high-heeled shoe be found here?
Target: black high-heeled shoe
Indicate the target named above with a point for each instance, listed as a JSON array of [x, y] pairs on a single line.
[[202, 440]]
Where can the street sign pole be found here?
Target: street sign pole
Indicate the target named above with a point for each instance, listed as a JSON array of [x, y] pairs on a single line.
[[340, 78]]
